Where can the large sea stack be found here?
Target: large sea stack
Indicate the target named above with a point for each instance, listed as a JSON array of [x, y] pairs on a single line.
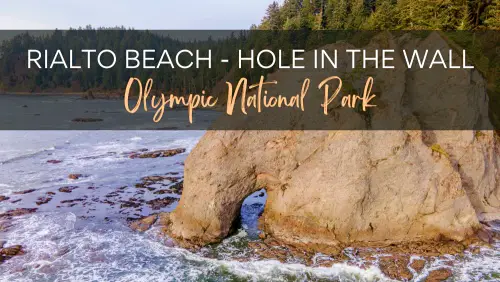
[[331, 189]]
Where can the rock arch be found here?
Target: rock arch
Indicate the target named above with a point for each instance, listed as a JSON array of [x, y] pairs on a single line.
[[337, 188], [326, 190]]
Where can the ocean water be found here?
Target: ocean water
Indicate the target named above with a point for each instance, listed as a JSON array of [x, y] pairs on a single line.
[[81, 236]]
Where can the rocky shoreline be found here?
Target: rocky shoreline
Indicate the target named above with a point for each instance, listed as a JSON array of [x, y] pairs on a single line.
[[400, 262], [329, 190], [396, 261], [166, 188]]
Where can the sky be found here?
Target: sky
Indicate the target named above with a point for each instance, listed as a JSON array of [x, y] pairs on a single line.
[[138, 14]]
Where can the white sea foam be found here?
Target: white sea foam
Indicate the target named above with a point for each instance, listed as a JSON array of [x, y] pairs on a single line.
[[97, 253], [62, 246]]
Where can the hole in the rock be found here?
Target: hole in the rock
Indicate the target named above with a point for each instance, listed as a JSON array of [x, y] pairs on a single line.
[[251, 209]]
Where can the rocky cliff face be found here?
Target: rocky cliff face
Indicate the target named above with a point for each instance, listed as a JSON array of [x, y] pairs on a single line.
[[332, 189]]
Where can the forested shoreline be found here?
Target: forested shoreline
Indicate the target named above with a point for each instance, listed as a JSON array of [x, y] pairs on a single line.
[[310, 19]]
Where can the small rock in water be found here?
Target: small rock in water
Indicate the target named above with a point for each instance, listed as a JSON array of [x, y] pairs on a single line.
[[161, 192], [439, 275], [9, 252], [54, 161], [158, 154], [12, 251], [24, 191], [67, 189], [395, 267], [43, 200], [63, 251], [131, 203], [72, 201], [177, 187], [3, 198], [140, 185], [111, 195], [154, 178], [17, 212], [144, 223], [418, 264], [4, 226], [74, 176], [157, 204], [475, 250]]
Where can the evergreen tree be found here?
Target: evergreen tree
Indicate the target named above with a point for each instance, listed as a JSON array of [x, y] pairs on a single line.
[[357, 14], [307, 15], [272, 20], [492, 15], [383, 16]]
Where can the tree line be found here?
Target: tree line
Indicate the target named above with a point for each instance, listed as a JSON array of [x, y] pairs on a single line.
[[383, 14], [292, 24], [15, 75]]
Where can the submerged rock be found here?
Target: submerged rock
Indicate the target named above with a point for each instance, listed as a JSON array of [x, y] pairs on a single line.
[[4, 226], [395, 267], [74, 176], [9, 252], [3, 198], [12, 251], [177, 187], [161, 192], [417, 265], [131, 203], [43, 200], [24, 192], [157, 204], [144, 223], [17, 212], [157, 154], [439, 275], [67, 189], [174, 186], [72, 201]]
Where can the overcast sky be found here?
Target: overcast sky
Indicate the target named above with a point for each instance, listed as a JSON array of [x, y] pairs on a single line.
[[139, 14]]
